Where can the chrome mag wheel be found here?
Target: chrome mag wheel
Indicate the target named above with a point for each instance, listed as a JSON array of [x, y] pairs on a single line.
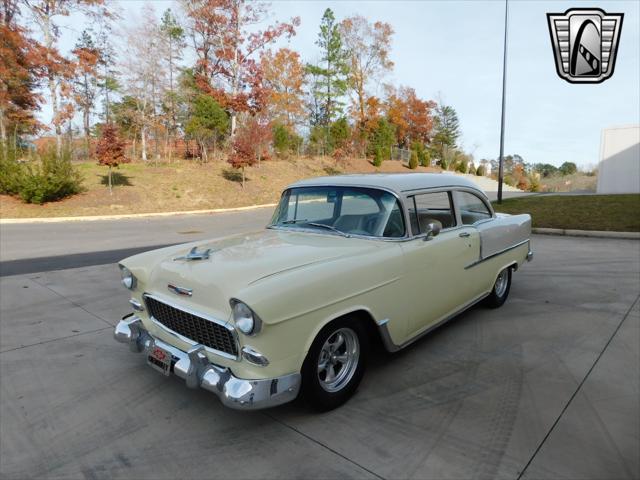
[[502, 282], [338, 359]]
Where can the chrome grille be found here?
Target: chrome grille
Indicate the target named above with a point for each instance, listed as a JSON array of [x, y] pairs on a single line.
[[193, 327]]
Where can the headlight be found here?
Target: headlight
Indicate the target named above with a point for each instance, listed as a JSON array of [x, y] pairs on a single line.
[[246, 321], [128, 280]]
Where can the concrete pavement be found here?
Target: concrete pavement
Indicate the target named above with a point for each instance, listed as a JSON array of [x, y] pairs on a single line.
[[545, 387]]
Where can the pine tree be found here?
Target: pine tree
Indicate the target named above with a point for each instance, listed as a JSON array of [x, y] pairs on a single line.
[[332, 70]]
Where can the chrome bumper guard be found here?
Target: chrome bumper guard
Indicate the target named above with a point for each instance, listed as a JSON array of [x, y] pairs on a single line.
[[196, 370]]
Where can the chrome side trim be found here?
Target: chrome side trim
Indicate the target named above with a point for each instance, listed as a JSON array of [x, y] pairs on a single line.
[[388, 342], [197, 372], [197, 314], [489, 257]]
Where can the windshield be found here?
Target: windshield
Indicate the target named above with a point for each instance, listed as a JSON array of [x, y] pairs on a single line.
[[341, 210]]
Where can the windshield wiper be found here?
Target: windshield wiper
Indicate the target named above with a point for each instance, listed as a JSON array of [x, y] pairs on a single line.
[[289, 222], [329, 227]]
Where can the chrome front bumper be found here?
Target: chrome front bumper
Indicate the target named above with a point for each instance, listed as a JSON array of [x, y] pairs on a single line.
[[196, 370]]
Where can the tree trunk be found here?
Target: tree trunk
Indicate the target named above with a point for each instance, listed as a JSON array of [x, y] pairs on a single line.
[[106, 93], [53, 89], [3, 135], [110, 189], [143, 143], [87, 131], [236, 70], [243, 177]]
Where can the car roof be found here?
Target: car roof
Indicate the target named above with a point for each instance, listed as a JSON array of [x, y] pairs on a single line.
[[396, 182]]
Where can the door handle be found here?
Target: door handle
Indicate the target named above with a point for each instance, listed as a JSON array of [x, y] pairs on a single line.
[[464, 234]]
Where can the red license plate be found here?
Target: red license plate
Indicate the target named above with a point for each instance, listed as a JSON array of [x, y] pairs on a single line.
[[160, 359]]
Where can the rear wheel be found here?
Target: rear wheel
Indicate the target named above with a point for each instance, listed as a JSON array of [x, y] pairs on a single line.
[[501, 288], [335, 364]]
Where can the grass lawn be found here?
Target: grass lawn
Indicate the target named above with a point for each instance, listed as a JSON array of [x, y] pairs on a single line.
[[618, 213]]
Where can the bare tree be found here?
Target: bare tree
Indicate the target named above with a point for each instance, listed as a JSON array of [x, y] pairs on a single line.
[[144, 79]]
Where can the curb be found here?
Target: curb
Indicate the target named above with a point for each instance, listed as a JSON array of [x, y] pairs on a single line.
[[587, 233], [9, 221]]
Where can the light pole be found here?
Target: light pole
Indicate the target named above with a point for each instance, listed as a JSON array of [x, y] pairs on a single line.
[[504, 87]]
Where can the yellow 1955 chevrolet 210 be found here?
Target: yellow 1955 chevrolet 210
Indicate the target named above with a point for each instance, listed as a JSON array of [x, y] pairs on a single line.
[[260, 318]]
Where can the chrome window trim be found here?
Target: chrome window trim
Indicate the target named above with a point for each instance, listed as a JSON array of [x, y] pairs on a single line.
[[403, 210], [190, 311], [425, 191], [402, 198], [483, 198]]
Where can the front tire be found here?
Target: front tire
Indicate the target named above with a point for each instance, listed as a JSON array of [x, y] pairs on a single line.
[[501, 288], [335, 364]]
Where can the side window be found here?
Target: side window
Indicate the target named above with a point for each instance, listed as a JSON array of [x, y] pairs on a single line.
[[471, 208], [430, 208]]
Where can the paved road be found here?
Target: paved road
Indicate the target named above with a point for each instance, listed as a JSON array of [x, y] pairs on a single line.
[[545, 387], [28, 248]]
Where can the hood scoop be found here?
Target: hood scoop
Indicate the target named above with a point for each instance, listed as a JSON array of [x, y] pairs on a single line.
[[194, 254]]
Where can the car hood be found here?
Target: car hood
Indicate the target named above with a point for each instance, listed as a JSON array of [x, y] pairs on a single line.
[[235, 263]]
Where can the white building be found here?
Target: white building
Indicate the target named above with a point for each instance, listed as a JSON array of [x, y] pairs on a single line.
[[619, 167]]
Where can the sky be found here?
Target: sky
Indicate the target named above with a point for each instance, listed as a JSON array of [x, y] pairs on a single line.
[[453, 51]]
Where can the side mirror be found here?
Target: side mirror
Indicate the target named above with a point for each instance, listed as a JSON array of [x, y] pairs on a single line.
[[433, 229]]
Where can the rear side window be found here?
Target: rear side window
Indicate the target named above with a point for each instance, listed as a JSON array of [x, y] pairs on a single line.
[[429, 208], [472, 208]]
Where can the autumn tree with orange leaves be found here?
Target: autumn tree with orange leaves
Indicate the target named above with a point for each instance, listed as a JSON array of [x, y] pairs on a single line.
[[412, 116], [368, 46], [20, 75], [59, 70], [228, 45], [284, 77]]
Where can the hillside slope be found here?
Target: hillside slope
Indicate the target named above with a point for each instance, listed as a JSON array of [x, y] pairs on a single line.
[[187, 185]]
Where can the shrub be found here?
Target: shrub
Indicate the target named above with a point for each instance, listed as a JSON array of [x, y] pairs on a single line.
[[339, 133], [53, 178], [281, 140], [472, 170], [382, 137], [285, 141], [481, 171], [508, 179], [413, 160], [534, 183], [11, 173], [444, 164], [461, 167], [377, 159], [425, 158]]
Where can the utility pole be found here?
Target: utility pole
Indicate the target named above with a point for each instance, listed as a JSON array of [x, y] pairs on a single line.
[[504, 87]]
